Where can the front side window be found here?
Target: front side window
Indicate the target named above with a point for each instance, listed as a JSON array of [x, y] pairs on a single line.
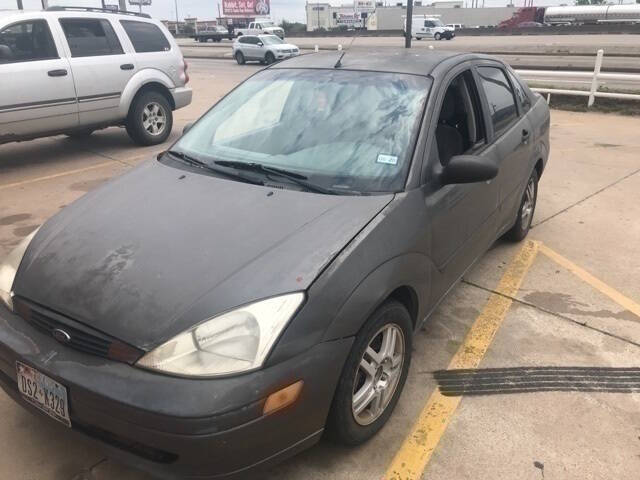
[[145, 37], [26, 41], [502, 104], [89, 37], [343, 130]]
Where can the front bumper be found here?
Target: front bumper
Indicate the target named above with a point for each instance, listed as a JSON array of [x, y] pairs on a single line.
[[181, 96], [176, 427], [282, 55]]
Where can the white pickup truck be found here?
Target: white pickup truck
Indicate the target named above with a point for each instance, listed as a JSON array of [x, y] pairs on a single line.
[[261, 27]]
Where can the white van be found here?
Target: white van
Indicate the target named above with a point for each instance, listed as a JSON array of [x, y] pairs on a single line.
[[429, 26]]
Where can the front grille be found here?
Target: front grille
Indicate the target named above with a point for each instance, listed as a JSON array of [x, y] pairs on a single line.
[[81, 337]]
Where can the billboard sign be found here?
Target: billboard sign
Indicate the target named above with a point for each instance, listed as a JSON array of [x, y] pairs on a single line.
[[364, 5], [349, 19], [246, 8]]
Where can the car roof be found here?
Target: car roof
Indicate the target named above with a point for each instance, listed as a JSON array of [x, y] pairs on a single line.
[[391, 60], [74, 12]]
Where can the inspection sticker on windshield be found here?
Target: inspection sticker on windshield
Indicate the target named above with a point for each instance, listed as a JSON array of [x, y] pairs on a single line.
[[387, 159]]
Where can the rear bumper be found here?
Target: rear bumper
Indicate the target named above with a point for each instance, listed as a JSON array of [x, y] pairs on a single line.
[[181, 96], [176, 427]]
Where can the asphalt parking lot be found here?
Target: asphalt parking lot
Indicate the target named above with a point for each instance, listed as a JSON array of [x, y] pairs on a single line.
[[551, 324]]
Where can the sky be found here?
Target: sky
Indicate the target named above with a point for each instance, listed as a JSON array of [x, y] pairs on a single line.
[[292, 10]]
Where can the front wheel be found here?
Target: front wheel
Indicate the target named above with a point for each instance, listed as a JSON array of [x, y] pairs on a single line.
[[269, 58], [527, 208], [373, 376], [437, 36], [150, 119], [240, 58]]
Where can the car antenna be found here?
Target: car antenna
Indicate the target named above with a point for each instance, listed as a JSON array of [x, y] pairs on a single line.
[[339, 62]]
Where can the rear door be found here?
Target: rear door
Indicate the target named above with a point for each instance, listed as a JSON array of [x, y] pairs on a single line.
[[101, 68], [38, 93], [511, 131], [152, 48]]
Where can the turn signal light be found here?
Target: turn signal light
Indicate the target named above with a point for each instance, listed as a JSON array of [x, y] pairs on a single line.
[[282, 398]]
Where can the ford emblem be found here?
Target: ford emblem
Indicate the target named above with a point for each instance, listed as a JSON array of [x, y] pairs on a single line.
[[61, 335]]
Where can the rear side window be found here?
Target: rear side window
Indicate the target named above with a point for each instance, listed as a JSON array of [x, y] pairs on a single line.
[[146, 37], [521, 95], [26, 41], [89, 37], [502, 104]]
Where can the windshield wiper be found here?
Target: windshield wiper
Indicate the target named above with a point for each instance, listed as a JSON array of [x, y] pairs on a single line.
[[195, 162], [294, 177]]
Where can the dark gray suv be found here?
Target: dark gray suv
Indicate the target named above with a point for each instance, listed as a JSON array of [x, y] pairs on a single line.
[[220, 307]]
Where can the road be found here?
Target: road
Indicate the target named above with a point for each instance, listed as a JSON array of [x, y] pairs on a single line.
[[573, 303]]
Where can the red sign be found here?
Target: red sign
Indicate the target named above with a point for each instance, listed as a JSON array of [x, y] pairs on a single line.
[[246, 8]]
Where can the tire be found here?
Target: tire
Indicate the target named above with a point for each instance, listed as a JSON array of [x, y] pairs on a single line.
[[150, 119], [437, 36], [240, 58], [344, 424], [80, 134], [527, 208], [269, 58]]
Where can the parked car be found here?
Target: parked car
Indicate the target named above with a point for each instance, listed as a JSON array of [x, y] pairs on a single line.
[[215, 34], [218, 308], [262, 27], [455, 26], [263, 48], [76, 70], [424, 26]]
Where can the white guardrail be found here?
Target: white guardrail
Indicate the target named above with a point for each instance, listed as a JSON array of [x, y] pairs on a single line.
[[595, 78]]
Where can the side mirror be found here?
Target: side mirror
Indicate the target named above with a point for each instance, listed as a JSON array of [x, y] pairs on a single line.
[[260, 44], [187, 127], [468, 169], [5, 52]]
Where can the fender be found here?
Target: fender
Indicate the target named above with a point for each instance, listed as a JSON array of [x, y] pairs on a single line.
[[139, 80], [412, 270]]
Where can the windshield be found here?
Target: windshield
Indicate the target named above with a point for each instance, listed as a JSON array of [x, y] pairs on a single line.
[[267, 24], [438, 23], [271, 40], [343, 130]]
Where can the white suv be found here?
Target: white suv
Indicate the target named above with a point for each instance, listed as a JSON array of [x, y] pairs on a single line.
[[76, 70]]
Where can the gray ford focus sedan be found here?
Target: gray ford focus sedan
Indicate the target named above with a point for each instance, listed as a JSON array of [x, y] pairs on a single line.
[[222, 306]]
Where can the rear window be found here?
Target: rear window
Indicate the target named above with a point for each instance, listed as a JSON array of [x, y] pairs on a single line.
[[502, 104], [89, 37], [145, 37]]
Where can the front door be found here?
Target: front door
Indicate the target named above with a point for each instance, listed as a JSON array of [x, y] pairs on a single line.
[[462, 217], [37, 94], [100, 67]]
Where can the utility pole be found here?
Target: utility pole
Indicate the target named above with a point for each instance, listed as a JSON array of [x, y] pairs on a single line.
[[20, 7], [123, 5], [408, 22], [177, 18], [219, 14], [318, 10]]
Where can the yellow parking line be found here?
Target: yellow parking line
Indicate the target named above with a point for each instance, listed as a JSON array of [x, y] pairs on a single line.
[[56, 175], [581, 273], [414, 454]]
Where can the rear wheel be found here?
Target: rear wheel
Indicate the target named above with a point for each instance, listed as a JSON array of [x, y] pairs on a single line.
[[526, 210], [373, 376], [150, 119], [269, 58], [240, 58]]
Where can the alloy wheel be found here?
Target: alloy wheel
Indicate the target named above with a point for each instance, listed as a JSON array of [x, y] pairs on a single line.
[[378, 374], [528, 203], [154, 119]]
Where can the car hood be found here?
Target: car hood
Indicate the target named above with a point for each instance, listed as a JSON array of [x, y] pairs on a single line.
[[160, 249], [286, 46]]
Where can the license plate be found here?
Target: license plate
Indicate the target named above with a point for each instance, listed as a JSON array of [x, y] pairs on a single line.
[[43, 392]]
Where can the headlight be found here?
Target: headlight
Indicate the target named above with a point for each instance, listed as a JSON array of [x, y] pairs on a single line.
[[9, 267], [233, 342]]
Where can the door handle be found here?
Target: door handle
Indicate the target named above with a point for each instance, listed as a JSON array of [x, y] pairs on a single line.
[[127, 66], [57, 73], [525, 136]]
